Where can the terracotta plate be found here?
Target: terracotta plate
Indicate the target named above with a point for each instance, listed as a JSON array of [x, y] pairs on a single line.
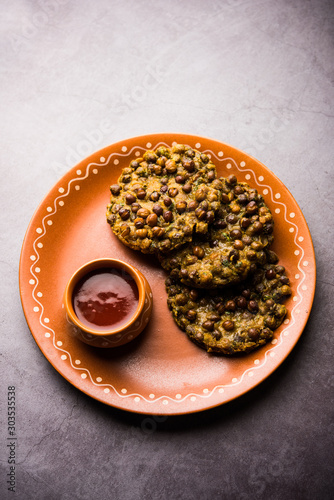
[[161, 372]]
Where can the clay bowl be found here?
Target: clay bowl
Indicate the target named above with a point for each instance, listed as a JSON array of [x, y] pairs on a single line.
[[111, 335]]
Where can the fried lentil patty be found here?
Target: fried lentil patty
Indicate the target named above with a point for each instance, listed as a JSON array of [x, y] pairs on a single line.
[[234, 245], [163, 198], [233, 320]]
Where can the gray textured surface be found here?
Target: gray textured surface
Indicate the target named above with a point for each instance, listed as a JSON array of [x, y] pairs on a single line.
[[76, 76]]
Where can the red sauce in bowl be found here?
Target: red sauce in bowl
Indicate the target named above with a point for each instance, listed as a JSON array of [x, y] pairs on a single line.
[[105, 299]]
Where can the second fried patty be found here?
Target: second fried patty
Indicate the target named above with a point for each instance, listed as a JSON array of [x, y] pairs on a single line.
[[234, 245]]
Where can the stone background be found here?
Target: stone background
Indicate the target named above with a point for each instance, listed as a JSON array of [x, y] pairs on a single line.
[[79, 75]]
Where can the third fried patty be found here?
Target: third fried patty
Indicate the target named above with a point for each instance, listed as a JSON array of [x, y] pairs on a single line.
[[236, 319]]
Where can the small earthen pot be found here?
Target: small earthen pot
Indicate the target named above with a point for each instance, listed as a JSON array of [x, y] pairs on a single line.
[[110, 334]]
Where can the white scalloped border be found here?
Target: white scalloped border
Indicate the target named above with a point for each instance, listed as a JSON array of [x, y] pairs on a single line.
[[85, 373]]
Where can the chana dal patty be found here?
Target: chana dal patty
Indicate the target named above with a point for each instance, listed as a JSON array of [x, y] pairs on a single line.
[[163, 198], [233, 320], [234, 245]]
